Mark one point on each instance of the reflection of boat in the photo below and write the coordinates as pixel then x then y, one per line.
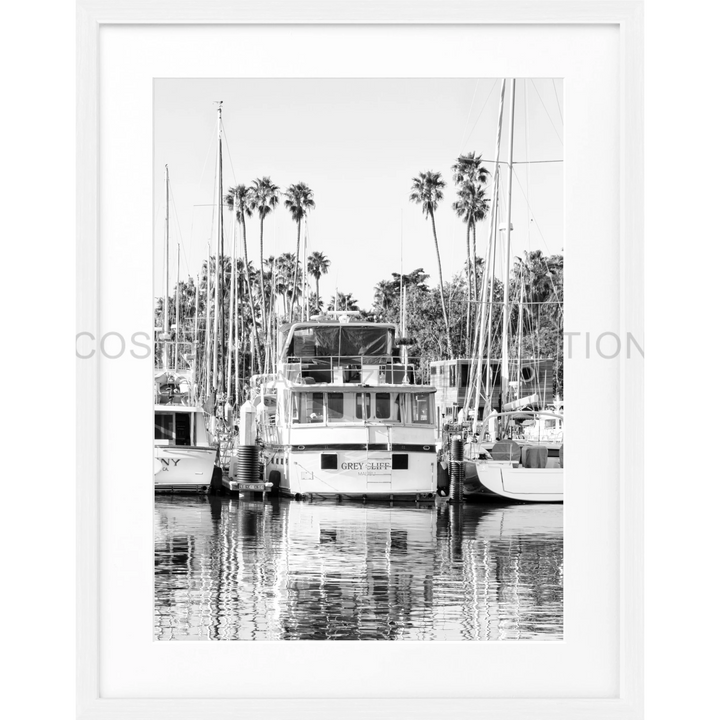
pixel 341 416
pixel 523 521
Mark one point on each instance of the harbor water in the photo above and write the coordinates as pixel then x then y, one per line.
pixel 242 569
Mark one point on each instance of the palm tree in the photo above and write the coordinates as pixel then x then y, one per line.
pixel 471 206
pixel 344 301
pixel 238 199
pixel 264 199
pixel 284 270
pixel 385 293
pixel 468 170
pixel 317 265
pixel 427 191
pixel 299 201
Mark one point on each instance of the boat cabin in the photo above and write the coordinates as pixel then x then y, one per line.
pixel 335 406
pixel 178 425
pixel 535 387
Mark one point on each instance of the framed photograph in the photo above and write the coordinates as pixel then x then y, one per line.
pixel 372 261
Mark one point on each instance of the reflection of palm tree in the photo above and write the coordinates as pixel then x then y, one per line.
pixel 264 199
pixel 299 201
pixel 318 265
pixel 427 191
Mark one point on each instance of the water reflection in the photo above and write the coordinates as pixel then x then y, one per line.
pixel 229 569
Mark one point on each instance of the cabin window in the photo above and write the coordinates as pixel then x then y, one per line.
pixel 382 406
pixel 335 407
pixel 341 407
pixel 164 426
pixel 182 429
pixel 451 371
pixel 362 400
pixel 527 373
pixel 308 408
pixel 420 413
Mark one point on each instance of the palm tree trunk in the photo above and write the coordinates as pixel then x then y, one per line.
pixel 262 280
pixel 474 260
pixel 251 302
pixel 470 273
pixel 295 275
pixel 442 289
pixel 317 292
pixel 262 276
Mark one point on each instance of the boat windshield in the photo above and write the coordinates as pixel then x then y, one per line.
pixel 345 341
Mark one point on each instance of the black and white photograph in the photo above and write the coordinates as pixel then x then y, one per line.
pixel 331 241
pixel 358 387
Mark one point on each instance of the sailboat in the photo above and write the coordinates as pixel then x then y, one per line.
pixel 184 457
pixel 507 453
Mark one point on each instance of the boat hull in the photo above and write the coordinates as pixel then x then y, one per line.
pixel 505 480
pixel 181 468
pixel 352 473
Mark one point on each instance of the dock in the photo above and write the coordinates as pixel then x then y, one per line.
pixel 235 486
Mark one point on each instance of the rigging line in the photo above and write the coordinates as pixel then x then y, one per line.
pixel 472 104
pixel 547 247
pixel 557 99
pixel 479 116
pixel 207 154
pixel 548 114
pixel 229 154
pixel 527 155
pixel 547 267
pixel 177 223
pixel 522 162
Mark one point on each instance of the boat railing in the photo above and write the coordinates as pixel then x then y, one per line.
pixel 269 434
pixel 349 369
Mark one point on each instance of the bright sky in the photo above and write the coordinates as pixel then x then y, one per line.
pixel 357 144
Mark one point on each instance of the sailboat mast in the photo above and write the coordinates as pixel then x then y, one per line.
pixel 520 324
pixel 233 309
pixel 505 373
pixel 196 344
pixel 485 325
pixel 208 358
pixel 177 313
pixel 217 365
pixel 166 282
pixel 237 333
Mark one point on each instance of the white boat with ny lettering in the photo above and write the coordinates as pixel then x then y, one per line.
pixel 184 456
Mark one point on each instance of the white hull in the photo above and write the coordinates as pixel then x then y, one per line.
pixel 359 473
pixel 182 467
pixel 502 479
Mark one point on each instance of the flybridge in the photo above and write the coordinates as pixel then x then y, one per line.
pixel 337 339
pixel 331 351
